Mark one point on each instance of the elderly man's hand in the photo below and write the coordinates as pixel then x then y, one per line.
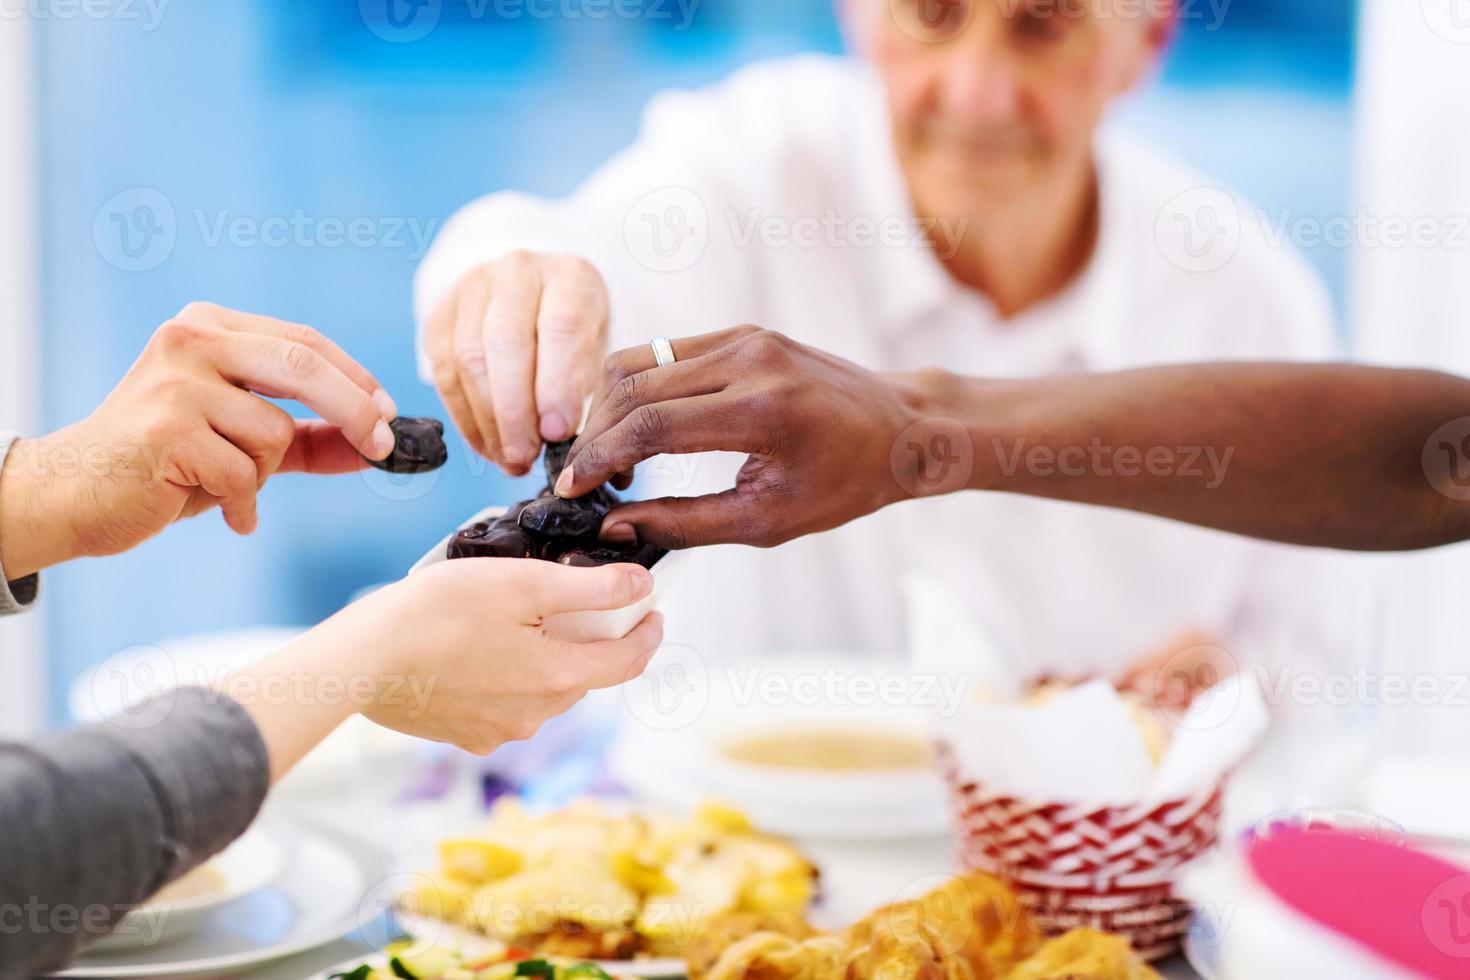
pixel 820 432
pixel 187 430
pixel 515 350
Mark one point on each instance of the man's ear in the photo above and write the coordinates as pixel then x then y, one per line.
pixel 1163 24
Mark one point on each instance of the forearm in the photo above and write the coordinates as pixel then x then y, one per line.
pixel 1329 455
pixel 35 532
pixel 298 695
pixel 97 819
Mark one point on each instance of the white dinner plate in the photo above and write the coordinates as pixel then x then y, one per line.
pixel 251 863
pixel 431 931
pixel 332 885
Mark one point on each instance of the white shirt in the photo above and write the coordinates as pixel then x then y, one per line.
pixel 802 147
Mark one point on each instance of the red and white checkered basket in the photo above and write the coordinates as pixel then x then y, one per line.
pixel 1109 868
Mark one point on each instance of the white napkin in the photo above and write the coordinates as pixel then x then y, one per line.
pixel 1081 746
pixel 945 638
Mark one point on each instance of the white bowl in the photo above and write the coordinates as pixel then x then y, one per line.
pixel 678 767
pixel 252 862
pixel 591 625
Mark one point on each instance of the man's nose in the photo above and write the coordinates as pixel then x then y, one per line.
pixel 980 83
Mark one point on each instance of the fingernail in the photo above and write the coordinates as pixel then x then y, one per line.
pixel 620 533
pixel 382 440
pixel 564 483
pixel 642 581
pixel 385 404
pixel 513 458
pixel 554 427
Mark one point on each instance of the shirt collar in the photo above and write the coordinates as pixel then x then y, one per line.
pixel 911 285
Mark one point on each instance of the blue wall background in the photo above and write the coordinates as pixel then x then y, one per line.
pixel 261 109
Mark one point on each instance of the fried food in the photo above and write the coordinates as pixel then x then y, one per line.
pixel 1084 954
pixel 588 883
pixel 970 928
pixel 973 916
pixel 575 941
pixel 712 938
pixel 902 942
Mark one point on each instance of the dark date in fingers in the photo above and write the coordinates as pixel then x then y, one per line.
pixel 418 447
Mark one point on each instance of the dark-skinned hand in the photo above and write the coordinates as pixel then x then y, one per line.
pixel 819 432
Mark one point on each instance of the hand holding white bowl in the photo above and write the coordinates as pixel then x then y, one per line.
pixel 458 653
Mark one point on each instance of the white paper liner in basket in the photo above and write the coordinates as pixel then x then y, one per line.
pixel 1063 800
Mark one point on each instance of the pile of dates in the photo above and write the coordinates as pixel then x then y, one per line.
pixel 551 528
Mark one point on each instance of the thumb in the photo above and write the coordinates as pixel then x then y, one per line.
pixel 320 447
pixel 548 588
pixel 675 523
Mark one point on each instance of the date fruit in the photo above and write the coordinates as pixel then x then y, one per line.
pixel 557 518
pixel 418 447
pixel 552 529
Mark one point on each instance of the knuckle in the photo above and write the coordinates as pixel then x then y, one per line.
pixel 505 338
pixel 200 310
pixel 471 360
pixel 676 536
pixel 298 360
pixel 279 430
pixel 178 335
pixel 615 367
pixel 615 587
pixel 563 325
pixel 300 333
pixel 648 426
pixel 591 458
pixel 240 477
pixel 767 346
pixel 518 260
pixel 581 268
pixel 626 395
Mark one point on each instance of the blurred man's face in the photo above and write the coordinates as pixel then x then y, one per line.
pixel 994 96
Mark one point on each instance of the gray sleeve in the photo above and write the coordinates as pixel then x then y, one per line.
pixel 94 820
pixel 14 596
